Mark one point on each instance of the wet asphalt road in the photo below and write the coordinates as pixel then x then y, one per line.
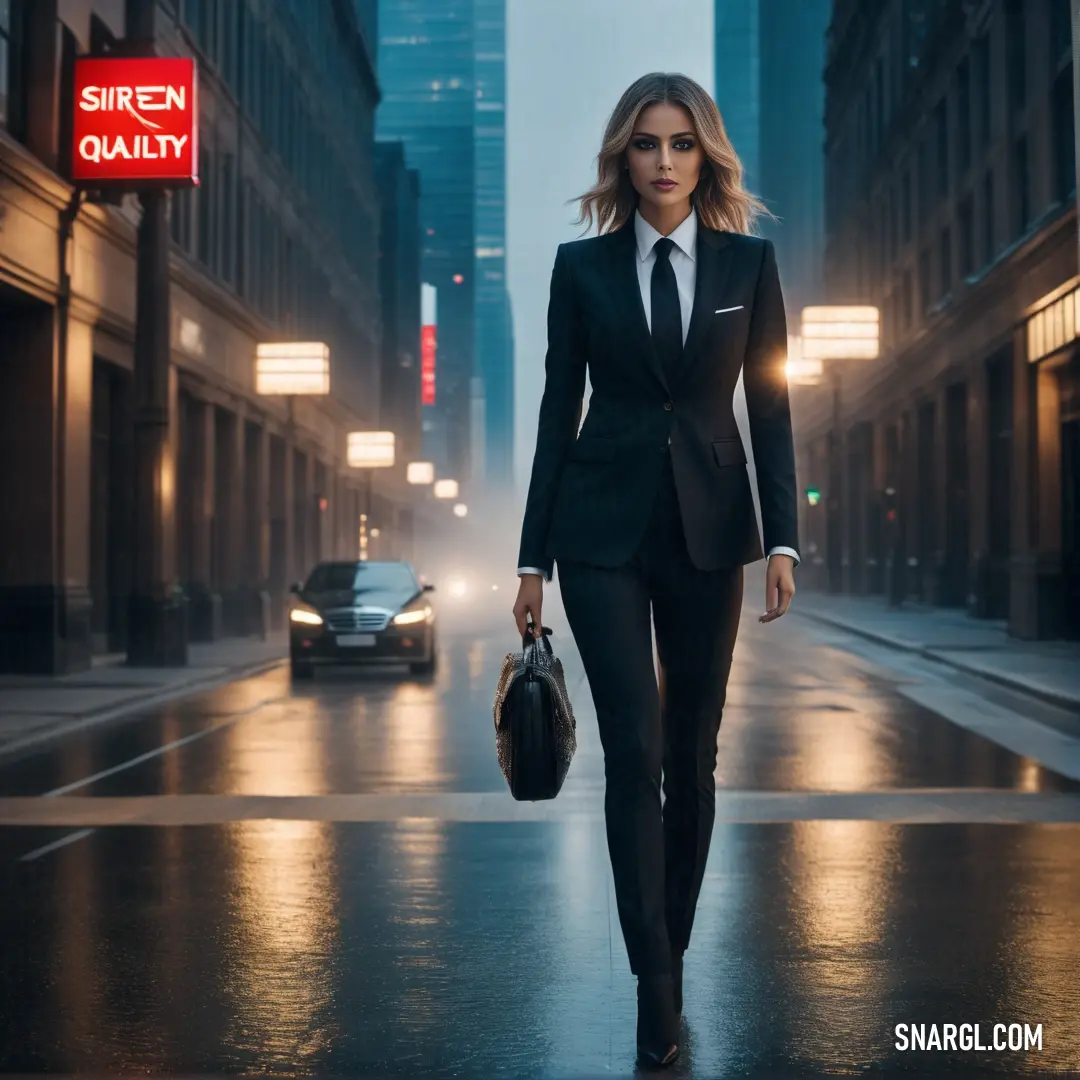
pixel 332 880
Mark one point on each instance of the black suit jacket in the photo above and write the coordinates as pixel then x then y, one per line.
pixel 590 497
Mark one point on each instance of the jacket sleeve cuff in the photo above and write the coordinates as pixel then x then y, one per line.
pixel 785 551
pixel 532 570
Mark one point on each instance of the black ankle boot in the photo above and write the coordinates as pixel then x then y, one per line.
pixel 676 982
pixel 657 1022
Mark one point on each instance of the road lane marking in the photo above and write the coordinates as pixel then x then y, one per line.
pixel 132 708
pixel 231 718
pixel 58 793
pixel 904 806
pixel 56 845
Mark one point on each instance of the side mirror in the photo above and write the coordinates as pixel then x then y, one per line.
pixel 295 589
pixel 429 588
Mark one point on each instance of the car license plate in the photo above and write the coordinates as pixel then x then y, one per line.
pixel 354 641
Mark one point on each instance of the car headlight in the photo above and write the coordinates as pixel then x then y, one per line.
pixel 306 616
pixel 408 618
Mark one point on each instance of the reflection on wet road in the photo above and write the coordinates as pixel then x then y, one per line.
pixel 333 880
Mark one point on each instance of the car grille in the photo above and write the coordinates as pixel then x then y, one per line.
pixel 351 621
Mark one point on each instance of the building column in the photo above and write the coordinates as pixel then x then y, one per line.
pixel 45 436
pixel 907 502
pixel 321 519
pixel 979 480
pixel 305 554
pixel 119 554
pixel 1035 593
pixel 835 495
pixel 256 565
pixel 205 613
pixel 875 508
pixel 937 569
pixel 282 570
pixel 229 518
pixel 337 512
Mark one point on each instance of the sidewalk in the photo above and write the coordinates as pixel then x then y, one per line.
pixel 34 708
pixel 1049 670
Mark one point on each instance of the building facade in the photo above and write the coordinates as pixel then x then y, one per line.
pixel 949 467
pixel 279 242
pixel 442 70
pixel 769 85
pixel 493 460
pixel 399 284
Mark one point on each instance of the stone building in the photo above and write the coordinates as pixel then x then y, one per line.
pixel 950 467
pixel 279 242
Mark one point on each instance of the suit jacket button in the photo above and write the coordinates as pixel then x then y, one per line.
pixel 668 406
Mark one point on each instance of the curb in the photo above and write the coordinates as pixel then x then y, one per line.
pixel 137 704
pixel 1010 682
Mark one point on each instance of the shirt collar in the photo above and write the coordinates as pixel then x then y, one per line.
pixel 684 237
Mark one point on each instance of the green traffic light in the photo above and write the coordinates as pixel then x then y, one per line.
pixel 813 496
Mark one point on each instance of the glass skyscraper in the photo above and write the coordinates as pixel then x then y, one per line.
pixel 442 73
pixel 494 339
pixel 770 64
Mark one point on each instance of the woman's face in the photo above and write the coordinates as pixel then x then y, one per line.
pixel 664 156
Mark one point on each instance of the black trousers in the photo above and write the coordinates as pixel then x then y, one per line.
pixel 651 731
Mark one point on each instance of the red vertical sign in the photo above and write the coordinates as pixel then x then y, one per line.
pixel 427 365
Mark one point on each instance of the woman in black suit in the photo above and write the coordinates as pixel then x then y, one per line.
pixel 648 511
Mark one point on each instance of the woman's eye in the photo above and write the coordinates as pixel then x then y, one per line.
pixel 684 144
pixel 644 144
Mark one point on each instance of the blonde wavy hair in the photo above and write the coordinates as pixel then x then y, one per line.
pixel 719 198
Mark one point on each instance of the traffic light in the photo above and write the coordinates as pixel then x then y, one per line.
pixel 813 496
pixel 890 504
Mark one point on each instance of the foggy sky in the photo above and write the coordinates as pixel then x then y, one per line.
pixel 567 63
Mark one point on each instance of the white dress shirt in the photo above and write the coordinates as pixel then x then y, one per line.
pixel 683 262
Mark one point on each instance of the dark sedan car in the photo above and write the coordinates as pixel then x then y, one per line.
pixel 361 612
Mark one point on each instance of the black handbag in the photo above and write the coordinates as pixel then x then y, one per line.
pixel 535 730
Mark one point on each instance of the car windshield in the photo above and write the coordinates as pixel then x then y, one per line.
pixel 360 577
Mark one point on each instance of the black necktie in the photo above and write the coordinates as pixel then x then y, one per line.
pixel 666 314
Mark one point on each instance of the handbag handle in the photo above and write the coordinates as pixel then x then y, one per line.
pixel 530 642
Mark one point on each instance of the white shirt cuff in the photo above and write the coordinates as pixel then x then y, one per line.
pixel 532 570
pixel 785 551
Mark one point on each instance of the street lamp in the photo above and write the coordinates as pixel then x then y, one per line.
pixel 460 510
pixel 292 368
pixel 446 489
pixel 289 369
pixel 836 333
pixel 369 450
pixel 845 332
pixel 420 472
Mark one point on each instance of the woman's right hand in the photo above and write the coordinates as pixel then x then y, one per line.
pixel 530 599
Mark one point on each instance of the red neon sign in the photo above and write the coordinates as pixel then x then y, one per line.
pixel 427 365
pixel 136 121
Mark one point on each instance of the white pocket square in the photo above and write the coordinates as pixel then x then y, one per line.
pixel 723 310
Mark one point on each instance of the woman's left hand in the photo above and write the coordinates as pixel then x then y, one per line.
pixel 779 587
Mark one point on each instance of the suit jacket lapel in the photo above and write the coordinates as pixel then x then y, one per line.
pixel 714 253
pixel 627 295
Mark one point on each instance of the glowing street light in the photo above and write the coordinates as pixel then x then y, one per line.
pixel 292 368
pixel 420 472
pixel 446 489
pixel 460 510
pixel 844 332
pixel 369 450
